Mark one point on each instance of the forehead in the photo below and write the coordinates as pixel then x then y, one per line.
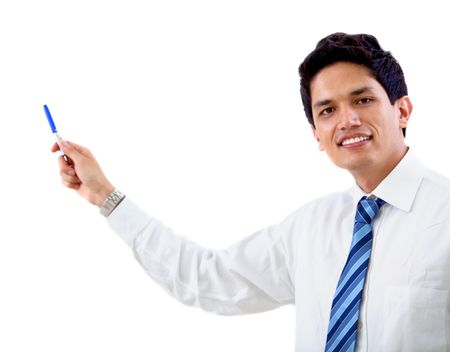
pixel 340 79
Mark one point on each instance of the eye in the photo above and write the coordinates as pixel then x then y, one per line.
pixel 326 111
pixel 365 100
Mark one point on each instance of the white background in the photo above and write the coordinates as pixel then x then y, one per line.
pixel 192 108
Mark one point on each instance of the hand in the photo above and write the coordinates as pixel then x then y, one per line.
pixel 82 173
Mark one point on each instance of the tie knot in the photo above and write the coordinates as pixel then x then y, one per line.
pixel 368 209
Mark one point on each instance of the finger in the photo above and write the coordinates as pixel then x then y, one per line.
pixel 75 150
pixel 71 152
pixel 67 160
pixel 74 186
pixel 55 147
pixel 69 178
pixel 80 149
pixel 66 167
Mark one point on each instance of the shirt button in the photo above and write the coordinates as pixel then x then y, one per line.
pixel 360 325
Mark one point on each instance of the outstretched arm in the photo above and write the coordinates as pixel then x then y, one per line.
pixel 252 276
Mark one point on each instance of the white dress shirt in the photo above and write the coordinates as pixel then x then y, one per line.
pixel 405 305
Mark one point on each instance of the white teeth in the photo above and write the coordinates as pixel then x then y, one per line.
pixel 354 140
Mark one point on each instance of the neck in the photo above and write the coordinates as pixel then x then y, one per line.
pixel 369 178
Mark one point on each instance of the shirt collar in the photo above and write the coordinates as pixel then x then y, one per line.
pixel 400 187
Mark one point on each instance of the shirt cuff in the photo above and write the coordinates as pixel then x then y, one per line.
pixel 128 221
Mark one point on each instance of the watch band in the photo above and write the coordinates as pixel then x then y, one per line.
pixel 111 202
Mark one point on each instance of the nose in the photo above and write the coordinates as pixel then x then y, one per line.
pixel 348 118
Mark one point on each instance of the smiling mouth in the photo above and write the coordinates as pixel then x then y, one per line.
pixel 354 141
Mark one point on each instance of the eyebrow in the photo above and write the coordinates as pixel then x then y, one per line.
pixel 322 103
pixel 353 93
pixel 360 91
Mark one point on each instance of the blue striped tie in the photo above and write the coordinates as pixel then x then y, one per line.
pixel 343 325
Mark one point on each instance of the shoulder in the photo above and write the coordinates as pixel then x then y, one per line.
pixel 322 208
pixel 431 180
pixel 434 194
pixel 436 186
pixel 438 181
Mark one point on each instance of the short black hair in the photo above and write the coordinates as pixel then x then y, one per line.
pixel 362 49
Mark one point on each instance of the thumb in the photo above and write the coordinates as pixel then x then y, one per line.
pixel 72 151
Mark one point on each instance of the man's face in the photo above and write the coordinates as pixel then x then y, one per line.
pixel 355 122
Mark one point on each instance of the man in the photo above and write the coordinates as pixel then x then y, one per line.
pixel 366 268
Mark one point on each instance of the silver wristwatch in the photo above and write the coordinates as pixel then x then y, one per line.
pixel 111 202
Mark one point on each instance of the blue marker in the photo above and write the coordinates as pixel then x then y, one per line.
pixel 54 131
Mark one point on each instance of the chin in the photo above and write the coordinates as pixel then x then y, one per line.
pixel 354 164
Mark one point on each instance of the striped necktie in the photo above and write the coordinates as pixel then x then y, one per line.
pixel 343 325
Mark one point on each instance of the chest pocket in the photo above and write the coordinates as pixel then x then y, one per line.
pixel 415 319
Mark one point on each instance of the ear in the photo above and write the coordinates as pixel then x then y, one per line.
pixel 316 136
pixel 405 108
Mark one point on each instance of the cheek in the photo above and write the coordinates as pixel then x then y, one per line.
pixel 324 141
pixel 324 134
pixel 321 147
pixel 391 126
